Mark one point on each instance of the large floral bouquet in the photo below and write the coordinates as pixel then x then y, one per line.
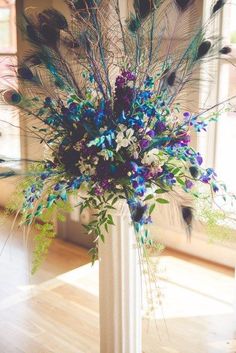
pixel 121 133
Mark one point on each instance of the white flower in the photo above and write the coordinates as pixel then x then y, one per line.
pixel 102 129
pixel 124 138
pixel 122 127
pixel 151 157
pixel 134 150
pixel 86 168
pixel 78 146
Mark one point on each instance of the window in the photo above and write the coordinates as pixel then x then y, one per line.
pixel 219 145
pixel 225 163
pixel 9 120
pixel 7 26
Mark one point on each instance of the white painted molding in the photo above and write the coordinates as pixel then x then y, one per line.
pixel 120 287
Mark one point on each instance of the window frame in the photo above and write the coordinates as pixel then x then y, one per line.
pixel 208 144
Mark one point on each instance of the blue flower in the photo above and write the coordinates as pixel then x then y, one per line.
pixel 149 82
pixel 89 113
pixel 169 178
pixel 73 108
pixel 45 175
pixel 144 95
pixel 47 102
pixel 215 187
pixel 208 175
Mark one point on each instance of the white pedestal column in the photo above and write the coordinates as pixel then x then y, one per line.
pixel 120 288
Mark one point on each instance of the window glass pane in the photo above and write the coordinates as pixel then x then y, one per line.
pixel 7 26
pixel 225 164
pixel 4 28
pixel 233 22
pixel 9 119
pixel 226 132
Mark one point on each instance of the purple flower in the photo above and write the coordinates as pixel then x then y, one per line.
pixel 120 82
pixel 130 76
pixel 185 140
pixel 160 127
pixel 98 190
pixel 188 184
pixel 199 158
pixel 65 111
pixel 208 175
pixel 151 133
pixel 105 184
pixel 187 115
pixel 144 143
pixel 205 178
pixel 169 178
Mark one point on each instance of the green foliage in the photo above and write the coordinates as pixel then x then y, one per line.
pixel 218 224
pixel 43 240
pixel 102 205
pixel 46 232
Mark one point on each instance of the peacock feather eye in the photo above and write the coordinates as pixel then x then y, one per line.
pixel 32 34
pixel 12 97
pixel 25 73
pixel 171 78
pixel 133 24
pixel 49 33
pixel 56 18
pixel 183 5
pixel 225 50
pixel 203 49
pixel 218 5
pixel 143 7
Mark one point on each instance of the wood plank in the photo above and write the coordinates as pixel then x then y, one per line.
pixel 57 310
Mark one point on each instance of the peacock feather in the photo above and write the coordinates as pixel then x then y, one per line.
pixel 105 94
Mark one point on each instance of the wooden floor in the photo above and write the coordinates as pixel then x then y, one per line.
pixel 57 310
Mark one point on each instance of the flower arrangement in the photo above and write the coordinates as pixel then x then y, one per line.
pixel 116 128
